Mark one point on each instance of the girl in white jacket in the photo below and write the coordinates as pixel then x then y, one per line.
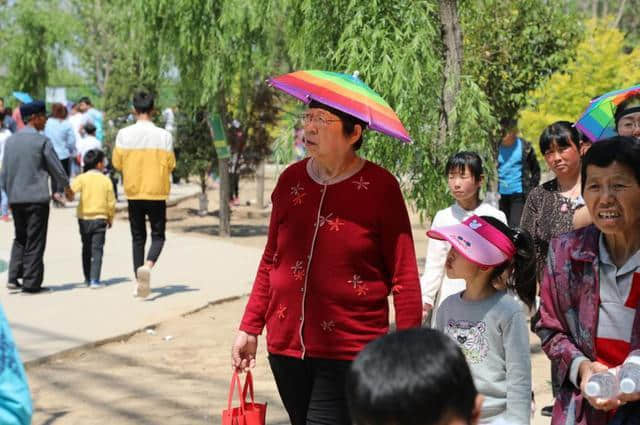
pixel 465 177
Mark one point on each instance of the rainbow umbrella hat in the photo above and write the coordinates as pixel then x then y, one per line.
pixel 346 93
pixel 598 121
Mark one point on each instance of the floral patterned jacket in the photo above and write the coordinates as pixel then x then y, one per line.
pixel 569 319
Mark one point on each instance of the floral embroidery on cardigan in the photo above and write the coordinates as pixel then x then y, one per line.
pixel 328 325
pixel 334 225
pixel 362 290
pixel 355 281
pixel 282 312
pixel 361 184
pixel 298 194
pixel 298 270
pixel 324 219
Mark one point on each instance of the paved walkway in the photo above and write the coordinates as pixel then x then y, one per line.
pixel 192 271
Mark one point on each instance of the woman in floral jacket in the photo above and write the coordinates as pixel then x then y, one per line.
pixel 590 314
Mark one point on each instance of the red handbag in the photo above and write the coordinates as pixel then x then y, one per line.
pixel 247 413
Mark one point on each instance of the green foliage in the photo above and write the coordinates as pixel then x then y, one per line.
pixel 599 65
pixel 34 34
pixel 398 52
pixel 511 46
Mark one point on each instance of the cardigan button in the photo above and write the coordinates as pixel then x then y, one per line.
pixel 301 318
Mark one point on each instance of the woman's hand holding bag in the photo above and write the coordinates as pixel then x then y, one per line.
pixel 247 413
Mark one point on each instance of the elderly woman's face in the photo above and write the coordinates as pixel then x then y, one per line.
pixel 323 134
pixel 612 196
pixel 629 125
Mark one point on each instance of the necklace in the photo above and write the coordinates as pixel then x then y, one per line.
pixel 570 200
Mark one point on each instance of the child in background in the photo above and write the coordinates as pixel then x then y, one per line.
pixel 96 210
pixel 465 176
pixel 487 323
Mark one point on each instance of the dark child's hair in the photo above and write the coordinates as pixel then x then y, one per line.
pixel 349 122
pixel 632 101
pixel 143 102
pixel 562 133
pixel 58 111
pixel 89 128
pixel 461 160
pixel 85 99
pixel 621 149
pixel 521 269
pixel 92 158
pixel 402 375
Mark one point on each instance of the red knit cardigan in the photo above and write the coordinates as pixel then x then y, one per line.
pixel 334 253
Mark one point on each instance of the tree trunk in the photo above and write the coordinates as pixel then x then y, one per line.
pixel 225 211
pixel 260 184
pixel 452 38
pixel 616 23
pixel 594 9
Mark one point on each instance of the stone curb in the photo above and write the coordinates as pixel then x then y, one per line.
pixel 121 338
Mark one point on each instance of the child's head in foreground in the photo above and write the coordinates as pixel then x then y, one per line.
pixel 412 377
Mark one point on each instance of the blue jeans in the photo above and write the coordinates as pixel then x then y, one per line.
pixel 4 203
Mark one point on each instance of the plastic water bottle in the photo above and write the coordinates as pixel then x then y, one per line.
pixel 629 374
pixel 602 385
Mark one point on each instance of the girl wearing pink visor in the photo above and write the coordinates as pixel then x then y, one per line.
pixel 488 323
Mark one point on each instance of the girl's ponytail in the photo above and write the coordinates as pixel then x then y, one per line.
pixel 521 269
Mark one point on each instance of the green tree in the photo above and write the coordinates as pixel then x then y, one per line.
pixel 512 46
pixel 600 64
pixel 34 35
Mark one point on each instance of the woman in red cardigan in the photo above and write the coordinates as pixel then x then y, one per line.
pixel 339 243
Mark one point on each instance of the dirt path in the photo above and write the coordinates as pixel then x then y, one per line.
pixel 178 373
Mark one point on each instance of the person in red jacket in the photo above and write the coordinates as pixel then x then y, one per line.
pixel 339 244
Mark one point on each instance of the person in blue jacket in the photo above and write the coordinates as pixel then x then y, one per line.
pixel 15 399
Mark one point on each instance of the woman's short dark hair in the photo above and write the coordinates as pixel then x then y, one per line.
pixel 402 375
pixel 58 111
pixel 92 158
pixel 461 160
pixel 143 102
pixel 562 133
pixel 621 149
pixel 349 122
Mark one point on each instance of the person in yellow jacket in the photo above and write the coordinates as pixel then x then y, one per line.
pixel 95 212
pixel 144 155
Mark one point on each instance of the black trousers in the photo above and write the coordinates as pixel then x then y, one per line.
pixel 30 222
pixel 512 206
pixel 312 390
pixel 156 211
pixel 92 233
pixel 66 164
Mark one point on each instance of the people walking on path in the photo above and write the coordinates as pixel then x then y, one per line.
pixel 518 172
pixel 29 160
pixel 8 122
pixel 93 115
pixel 5 133
pixel 339 244
pixel 465 176
pixel 144 155
pixel 489 324
pixel 96 210
pixel 59 131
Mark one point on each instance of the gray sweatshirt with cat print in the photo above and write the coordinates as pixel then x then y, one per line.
pixel 495 340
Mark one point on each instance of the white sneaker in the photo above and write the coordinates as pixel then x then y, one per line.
pixel 143 278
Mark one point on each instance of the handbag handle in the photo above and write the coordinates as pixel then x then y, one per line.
pixel 248 384
pixel 235 380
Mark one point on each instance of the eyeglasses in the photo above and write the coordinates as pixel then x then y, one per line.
pixel 630 125
pixel 318 120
